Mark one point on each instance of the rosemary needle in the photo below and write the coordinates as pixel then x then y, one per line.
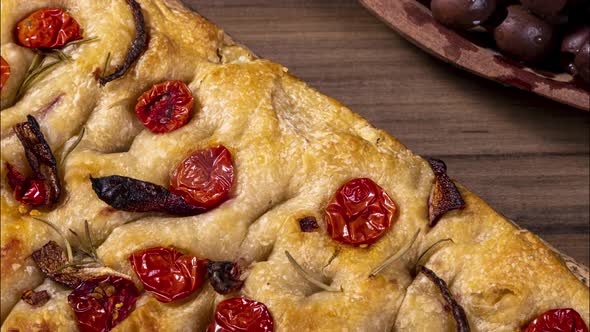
pixel 37 69
pixel 71 147
pixel 308 276
pixel 63 236
pixel 427 250
pixel 395 256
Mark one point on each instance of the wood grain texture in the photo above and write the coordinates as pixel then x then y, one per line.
pixel 524 155
pixel 415 22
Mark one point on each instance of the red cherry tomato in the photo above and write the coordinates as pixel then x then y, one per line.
pixel 558 320
pixel 47 28
pixel 241 314
pixel 4 72
pixel 103 302
pixel 205 178
pixel 359 213
pixel 26 190
pixel 165 107
pixel 167 273
pixel 33 193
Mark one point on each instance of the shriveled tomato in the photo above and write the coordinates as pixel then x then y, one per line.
pixel 359 213
pixel 241 314
pixel 558 320
pixel 4 72
pixel 103 302
pixel 165 107
pixel 47 28
pixel 26 190
pixel 167 273
pixel 205 178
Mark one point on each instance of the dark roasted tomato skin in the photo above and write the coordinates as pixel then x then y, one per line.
pixel 47 28
pixel 167 273
pixel 205 178
pixel 43 187
pixel 4 72
pixel 224 276
pixel 558 320
pixel 103 302
pixel 165 107
pixel 359 213
pixel 241 315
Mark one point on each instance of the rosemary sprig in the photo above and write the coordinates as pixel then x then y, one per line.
pixel 62 235
pixel 106 64
pixel 37 68
pixel 36 71
pixel 419 260
pixel 71 147
pixel 79 263
pixel 86 245
pixel 308 276
pixel 395 256
pixel 82 41
pixel 37 60
pixel 57 54
pixel 90 242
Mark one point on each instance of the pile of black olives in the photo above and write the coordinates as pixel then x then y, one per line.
pixel 532 31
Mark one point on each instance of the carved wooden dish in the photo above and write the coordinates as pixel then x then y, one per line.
pixel 414 22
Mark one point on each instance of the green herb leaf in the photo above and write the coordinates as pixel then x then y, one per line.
pixel 76 264
pixel 86 244
pixel 308 276
pixel 82 41
pixel 62 235
pixel 106 64
pixel 37 69
pixel 431 247
pixel 71 147
pixel 91 246
pixel 400 253
pixel 35 72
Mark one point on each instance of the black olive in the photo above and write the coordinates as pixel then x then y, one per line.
pixel 524 36
pixel 571 44
pixel 462 14
pixel 546 8
pixel 578 11
pixel 582 62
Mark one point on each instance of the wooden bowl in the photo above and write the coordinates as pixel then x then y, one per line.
pixel 414 22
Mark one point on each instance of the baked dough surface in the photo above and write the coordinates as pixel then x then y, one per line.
pixel 292 149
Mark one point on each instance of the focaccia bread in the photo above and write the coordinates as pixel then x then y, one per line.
pixel 288 165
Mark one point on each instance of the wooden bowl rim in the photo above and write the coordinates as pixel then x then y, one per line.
pixel 415 23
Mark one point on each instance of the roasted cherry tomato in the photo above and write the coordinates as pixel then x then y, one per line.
pixel 205 178
pixel 103 302
pixel 359 213
pixel 241 314
pixel 558 320
pixel 4 72
pixel 167 273
pixel 27 191
pixel 47 28
pixel 165 107
pixel 224 276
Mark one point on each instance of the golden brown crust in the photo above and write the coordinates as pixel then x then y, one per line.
pixel 292 148
pixel 503 276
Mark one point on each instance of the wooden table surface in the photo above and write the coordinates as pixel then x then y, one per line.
pixel 526 156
